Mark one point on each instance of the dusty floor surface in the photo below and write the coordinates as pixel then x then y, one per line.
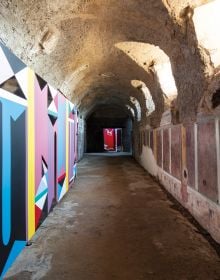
pixel 116 223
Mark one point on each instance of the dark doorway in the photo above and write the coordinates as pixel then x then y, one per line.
pixel 108 117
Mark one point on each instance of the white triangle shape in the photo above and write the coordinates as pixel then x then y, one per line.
pixel 63 190
pixel 45 168
pixel 40 203
pixel 53 91
pixel 43 186
pixel 8 72
pixel 71 105
pixel 44 179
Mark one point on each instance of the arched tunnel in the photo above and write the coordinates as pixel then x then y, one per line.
pixel 109 139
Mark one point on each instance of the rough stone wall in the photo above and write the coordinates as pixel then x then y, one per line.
pixel 81 138
pixel 79 39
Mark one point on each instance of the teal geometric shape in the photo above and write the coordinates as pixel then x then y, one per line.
pixel 41 195
pixel 54 114
pixel 59 190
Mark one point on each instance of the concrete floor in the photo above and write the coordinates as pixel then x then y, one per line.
pixel 116 223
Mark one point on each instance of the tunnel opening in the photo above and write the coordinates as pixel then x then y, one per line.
pixel 216 99
pixel 109 129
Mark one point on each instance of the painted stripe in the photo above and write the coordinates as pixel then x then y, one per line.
pixel 6 178
pixel 41 195
pixel 67 145
pixel 162 146
pixel 170 138
pixel 196 155
pixel 70 149
pixel 183 148
pixel 12 97
pixel 218 155
pixel 72 178
pixel 31 156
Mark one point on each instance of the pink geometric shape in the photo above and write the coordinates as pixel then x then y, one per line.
pixel 56 101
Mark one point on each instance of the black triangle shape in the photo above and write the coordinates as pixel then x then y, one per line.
pixel 13 86
pixel 73 111
pixel 45 209
pixel 52 119
pixel 62 181
pixel 42 168
pixel 44 212
pixel 41 82
pixel 49 98
pixel 44 161
pixel 15 63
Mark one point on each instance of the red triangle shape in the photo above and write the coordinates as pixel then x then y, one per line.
pixel 38 213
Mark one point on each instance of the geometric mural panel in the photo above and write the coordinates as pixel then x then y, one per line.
pixel 176 151
pixel 207 160
pixel 42 192
pixel 33 126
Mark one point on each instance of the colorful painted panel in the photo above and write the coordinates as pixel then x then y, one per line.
pixel 61 148
pixel 166 150
pixel 207 160
pixel 190 154
pixel 159 147
pixel 176 155
pixel 152 140
pixel 37 136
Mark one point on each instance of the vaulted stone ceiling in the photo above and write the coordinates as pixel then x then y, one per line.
pixel 92 49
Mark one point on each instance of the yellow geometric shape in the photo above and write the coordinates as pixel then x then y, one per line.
pixel 31 156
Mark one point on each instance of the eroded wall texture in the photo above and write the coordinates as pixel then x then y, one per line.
pixel 186 160
pixel 38 128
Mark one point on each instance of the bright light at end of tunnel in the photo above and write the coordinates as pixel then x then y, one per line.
pixel 166 79
pixel 149 100
pixel 137 106
pixel 131 110
pixel 150 106
pixel 206 19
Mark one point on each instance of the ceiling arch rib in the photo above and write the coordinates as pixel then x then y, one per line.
pixel 155 62
pixel 150 105
pixel 90 102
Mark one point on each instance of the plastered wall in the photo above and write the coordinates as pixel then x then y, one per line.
pixel 186 160
pixel 38 127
